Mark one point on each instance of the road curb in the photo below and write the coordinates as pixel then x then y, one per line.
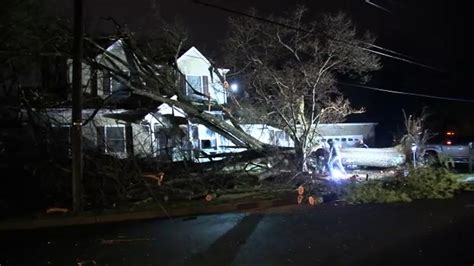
pixel 141 215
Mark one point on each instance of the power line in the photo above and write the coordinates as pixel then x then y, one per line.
pixel 377 6
pixel 407 93
pixel 391 51
pixel 406 60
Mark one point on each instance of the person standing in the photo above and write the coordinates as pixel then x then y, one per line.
pixel 334 160
pixel 361 144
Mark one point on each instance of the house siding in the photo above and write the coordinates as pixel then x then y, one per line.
pixel 193 63
pixel 137 140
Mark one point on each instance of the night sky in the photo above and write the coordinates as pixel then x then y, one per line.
pixel 434 32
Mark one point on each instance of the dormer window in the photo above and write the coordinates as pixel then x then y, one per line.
pixel 198 83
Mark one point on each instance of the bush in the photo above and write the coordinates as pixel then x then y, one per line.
pixel 373 191
pixel 431 183
pixel 421 183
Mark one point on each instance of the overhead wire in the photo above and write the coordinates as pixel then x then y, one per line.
pixel 395 56
pixel 377 6
pixel 407 59
pixel 406 93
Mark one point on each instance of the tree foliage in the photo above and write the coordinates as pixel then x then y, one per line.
pixel 420 183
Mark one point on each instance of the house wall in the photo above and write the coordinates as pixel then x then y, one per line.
pixel 169 136
pixel 207 139
pixel 86 74
pixel 268 134
pixel 137 137
pixel 116 50
pixel 347 134
pixel 193 63
pixel 366 130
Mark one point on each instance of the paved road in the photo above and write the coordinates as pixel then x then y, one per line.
pixel 435 232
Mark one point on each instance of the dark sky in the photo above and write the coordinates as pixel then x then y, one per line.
pixel 433 31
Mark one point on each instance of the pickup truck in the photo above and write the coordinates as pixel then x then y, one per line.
pixel 450 147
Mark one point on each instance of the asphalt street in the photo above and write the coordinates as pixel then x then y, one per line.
pixel 428 232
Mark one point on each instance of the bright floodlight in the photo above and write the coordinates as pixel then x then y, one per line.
pixel 234 87
pixel 337 174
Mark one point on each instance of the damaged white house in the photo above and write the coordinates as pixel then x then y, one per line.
pixel 167 133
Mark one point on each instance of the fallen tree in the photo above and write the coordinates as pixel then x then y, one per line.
pixel 317 102
pixel 309 99
pixel 164 90
pixel 374 157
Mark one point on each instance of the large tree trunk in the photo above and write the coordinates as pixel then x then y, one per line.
pixel 373 157
pixel 238 137
pixel 300 157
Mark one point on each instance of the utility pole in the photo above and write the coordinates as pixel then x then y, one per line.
pixel 76 127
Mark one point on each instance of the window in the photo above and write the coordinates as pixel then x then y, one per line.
pixel 344 139
pixel 115 139
pixel 351 139
pixel 199 83
pixel 206 144
pixel 194 132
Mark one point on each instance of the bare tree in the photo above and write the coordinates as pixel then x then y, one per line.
pixel 291 69
pixel 416 135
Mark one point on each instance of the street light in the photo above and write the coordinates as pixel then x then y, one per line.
pixel 413 151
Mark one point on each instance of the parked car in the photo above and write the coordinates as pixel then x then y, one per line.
pixel 449 147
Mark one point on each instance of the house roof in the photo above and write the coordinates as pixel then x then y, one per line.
pixel 193 52
pixel 166 109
